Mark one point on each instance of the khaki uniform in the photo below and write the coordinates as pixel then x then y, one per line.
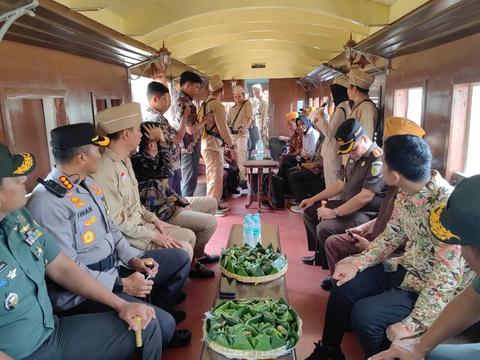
pixel 240 140
pixel 332 161
pixel 261 120
pixel 366 114
pixel 120 187
pixel 212 147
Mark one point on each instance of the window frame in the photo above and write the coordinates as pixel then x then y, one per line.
pixel 412 85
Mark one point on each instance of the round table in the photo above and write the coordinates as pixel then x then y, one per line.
pixel 260 165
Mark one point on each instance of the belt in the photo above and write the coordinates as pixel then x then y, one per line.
pixel 105 264
pixel 235 132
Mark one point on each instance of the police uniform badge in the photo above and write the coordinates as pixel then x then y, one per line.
pixel 12 274
pixel 376 169
pixel 377 152
pixel 11 301
pixel 21 218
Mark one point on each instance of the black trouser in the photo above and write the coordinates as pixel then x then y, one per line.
pixel 254 138
pixel 289 162
pixel 319 231
pixel 173 271
pixel 304 181
pixel 97 337
pixel 368 304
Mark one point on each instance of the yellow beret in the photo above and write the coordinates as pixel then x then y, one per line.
pixel 402 126
pixel 119 118
pixel 291 116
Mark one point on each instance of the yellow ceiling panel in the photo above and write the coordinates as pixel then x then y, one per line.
pixel 258 60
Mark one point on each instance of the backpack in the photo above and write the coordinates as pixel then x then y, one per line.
pixel 378 136
pixel 278 197
pixel 202 112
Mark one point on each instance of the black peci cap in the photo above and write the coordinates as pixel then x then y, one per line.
pixel 75 135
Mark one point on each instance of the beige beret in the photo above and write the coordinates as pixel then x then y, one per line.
pixel 291 116
pixel 257 86
pixel 360 79
pixel 238 90
pixel 119 118
pixel 341 80
pixel 215 83
pixel 402 126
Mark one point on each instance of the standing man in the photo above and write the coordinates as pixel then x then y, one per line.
pixel 78 222
pixel 239 120
pixel 27 324
pixel 158 103
pixel 363 189
pixel 364 110
pixel 189 83
pixel 458 223
pixel 215 135
pixel 261 114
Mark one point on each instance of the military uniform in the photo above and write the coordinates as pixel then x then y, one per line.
pixel 238 117
pixel 365 173
pixel 27 324
pixel 80 225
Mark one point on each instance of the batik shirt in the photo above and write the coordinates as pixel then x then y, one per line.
pixel 296 142
pixel 435 271
pixel 169 134
pixel 184 103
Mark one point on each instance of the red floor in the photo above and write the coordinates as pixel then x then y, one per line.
pixel 304 293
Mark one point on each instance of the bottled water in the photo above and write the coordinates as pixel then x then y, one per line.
pixel 257 230
pixel 247 231
pixel 259 146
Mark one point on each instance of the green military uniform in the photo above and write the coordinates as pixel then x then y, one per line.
pixel 27 324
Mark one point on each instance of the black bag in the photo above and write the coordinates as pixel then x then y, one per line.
pixel 278 197
pixel 276 147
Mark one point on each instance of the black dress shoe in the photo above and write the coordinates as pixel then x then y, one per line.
pixel 308 260
pixel 233 191
pixel 327 284
pixel 180 298
pixel 180 339
pixel 209 259
pixel 201 272
pixel 243 184
pixel 324 353
pixel 178 314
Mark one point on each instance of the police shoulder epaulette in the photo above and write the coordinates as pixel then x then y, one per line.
pixel 377 152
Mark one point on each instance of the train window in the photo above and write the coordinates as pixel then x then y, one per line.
pixel 472 165
pixel 299 104
pixel 409 103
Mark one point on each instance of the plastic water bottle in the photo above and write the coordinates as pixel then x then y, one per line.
pixel 247 231
pixel 259 147
pixel 257 230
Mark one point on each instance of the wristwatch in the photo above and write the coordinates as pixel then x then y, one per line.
pixel 118 287
pixel 335 212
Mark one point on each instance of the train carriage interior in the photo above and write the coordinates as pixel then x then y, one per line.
pixel 64 62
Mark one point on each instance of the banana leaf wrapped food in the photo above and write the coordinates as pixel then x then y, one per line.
pixel 253 264
pixel 252 328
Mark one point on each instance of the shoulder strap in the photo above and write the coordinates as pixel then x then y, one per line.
pixel 238 113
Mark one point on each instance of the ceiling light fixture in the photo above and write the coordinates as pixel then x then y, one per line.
pixel 233 82
pixel 163 57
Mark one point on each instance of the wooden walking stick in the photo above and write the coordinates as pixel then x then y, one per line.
pixel 138 338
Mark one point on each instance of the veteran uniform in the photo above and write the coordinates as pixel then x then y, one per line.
pixel 27 324
pixel 365 173
pixel 261 116
pixel 364 110
pixel 238 117
pixel 215 135
pixel 81 226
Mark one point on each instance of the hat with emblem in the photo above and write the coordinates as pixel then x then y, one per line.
pixel 15 165
pixel 291 116
pixel 237 90
pixel 306 108
pixel 458 220
pixel 349 131
pixel 120 118
pixel 360 79
pixel 75 135
pixel 395 125
pixel 341 80
pixel 215 83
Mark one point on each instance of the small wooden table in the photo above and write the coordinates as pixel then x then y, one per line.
pixel 275 289
pixel 260 165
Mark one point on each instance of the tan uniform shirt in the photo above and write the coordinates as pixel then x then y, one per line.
pixel 245 114
pixel 120 190
pixel 366 114
pixel 261 114
pixel 218 119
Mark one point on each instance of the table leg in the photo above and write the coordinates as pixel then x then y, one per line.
pixel 270 188
pixel 250 180
pixel 260 189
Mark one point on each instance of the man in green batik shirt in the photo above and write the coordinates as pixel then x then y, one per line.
pixel 27 326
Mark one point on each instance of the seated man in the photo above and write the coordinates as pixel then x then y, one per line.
pixel 152 166
pixel 456 223
pixel 400 297
pixel 230 174
pixel 71 209
pixel 338 247
pixel 363 190
pixel 28 327
pixel 141 228
pixel 296 137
